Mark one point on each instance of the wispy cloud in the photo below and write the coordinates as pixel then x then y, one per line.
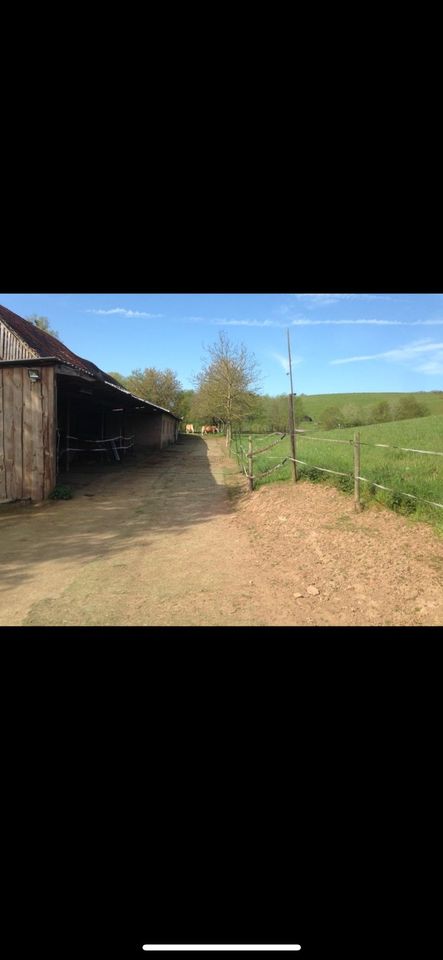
pixel 326 299
pixel 432 367
pixel 127 313
pixel 409 354
pixel 300 321
pixel 308 322
pixel 363 321
pixel 284 362
pixel 249 323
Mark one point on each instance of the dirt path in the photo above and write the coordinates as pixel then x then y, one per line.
pixel 172 539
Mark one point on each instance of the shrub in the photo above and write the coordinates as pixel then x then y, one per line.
pixel 401 504
pixel 345 483
pixel 382 412
pixel 331 418
pixel 408 408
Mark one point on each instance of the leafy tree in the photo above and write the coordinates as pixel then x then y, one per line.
pixel 158 386
pixel 382 412
pixel 331 418
pixel 408 408
pixel 119 377
pixel 352 415
pixel 225 383
pixel 184 405
pixel 43 324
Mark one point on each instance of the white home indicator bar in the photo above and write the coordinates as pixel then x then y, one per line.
pixel 222 946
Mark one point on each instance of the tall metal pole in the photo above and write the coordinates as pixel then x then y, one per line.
pixel 291 415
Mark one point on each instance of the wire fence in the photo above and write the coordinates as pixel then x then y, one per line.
pixel 111 446
pixel 246 458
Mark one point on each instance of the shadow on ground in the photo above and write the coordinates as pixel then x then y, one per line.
pixel 114 506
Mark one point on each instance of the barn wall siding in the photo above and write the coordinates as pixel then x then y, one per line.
pixel 11 347
pixel 151 430
pixel 168 433
pixel 27 434
pixel 145 428
pixel 2 444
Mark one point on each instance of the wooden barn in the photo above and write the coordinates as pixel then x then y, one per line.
pixel 57 409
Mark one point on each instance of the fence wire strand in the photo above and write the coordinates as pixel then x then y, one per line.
pixel 400 493
pixel 338 473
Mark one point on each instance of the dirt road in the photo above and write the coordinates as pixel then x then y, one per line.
pixel 172 539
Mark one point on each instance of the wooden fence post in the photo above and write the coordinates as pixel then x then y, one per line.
pixel 292 430
pixel 357 504
pixel 250 465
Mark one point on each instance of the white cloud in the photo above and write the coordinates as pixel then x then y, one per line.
pixel 300 321
pixel 249 323
pixel 307 322
pixel 325 299
pixel 408 354
pixel 126 313
pixel 433 366
pixel 364 321
pixel 284 362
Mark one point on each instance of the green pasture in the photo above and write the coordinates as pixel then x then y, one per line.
pixel 314 405
pixel 406 473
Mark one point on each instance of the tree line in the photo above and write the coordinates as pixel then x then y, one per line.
pixel 226 394
pixel 350 415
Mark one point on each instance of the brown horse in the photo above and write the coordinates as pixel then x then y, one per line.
pixel 209 429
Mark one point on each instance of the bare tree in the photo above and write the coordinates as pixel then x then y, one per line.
pixel 226 382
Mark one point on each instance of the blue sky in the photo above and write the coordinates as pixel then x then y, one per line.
pixel 345 342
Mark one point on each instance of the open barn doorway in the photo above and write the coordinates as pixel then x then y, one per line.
pixel 91 426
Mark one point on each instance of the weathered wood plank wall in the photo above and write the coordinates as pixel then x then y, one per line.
pixel 2 445
pixel 27 434
pixel 11 347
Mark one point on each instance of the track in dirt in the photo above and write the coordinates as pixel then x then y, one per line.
pixel 174 539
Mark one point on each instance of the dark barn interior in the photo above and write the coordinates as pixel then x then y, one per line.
pixel 99 423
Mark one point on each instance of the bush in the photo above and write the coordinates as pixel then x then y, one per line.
pixel 345 483
pixel 61 492
pixel 331 418
pixel 408 408
pixel 401 504
pixel 382 412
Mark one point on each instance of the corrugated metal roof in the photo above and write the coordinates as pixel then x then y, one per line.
pixel 45 346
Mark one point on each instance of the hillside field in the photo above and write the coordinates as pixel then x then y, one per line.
pixel 315 404
pixel 406 473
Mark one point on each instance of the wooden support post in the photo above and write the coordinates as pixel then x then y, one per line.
pixel 68 430
pixel 291 417
pixel 357 504
pixel 250 465
pixel 293 446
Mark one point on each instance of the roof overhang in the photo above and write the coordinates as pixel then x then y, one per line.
pixel 31 362
pixel 103 389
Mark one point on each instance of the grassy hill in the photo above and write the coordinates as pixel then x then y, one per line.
pixel 404 473
pixel 315 404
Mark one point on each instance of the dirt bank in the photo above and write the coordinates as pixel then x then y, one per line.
pixel 172 539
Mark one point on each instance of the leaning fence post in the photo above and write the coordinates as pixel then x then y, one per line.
pixel 250 464
pixel 357 504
